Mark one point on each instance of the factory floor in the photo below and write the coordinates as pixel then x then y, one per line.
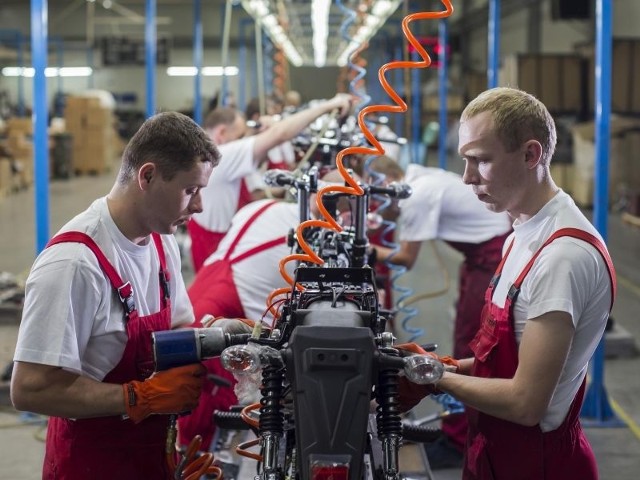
pixel 615 437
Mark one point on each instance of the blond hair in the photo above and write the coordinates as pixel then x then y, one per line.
pixel 517 117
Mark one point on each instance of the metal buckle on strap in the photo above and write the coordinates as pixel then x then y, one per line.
pixel 513 292
pixel 164 283
pixel 125 292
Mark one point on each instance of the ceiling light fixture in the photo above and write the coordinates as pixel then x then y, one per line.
pixel 259 10
pixel 212 71
pixel 320 25
pixel 48 72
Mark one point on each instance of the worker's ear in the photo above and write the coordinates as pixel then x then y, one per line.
pixel 533 153
pixel 146 175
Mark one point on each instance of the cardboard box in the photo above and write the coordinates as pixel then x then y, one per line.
pixel 625 70
pixel 23 125
pixel 623 169
pixel 555 79
pixel 6 174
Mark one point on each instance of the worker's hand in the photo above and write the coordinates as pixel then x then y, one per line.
pixel 171 391
pixel 344 103
pixel 410 394
pixel 450 363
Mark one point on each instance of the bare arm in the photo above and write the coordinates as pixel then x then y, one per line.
pixel 55 392
pixel 406 255
pixel 523 399
pixel 289 127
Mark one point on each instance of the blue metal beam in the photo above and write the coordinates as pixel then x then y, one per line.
pixel 443 37
pixel 596 410
pixel 493 59
pixel 150 40
pixel 197 61
pixel 39 25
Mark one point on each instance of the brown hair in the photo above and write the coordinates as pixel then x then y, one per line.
pixel 517 117
pixel 171 140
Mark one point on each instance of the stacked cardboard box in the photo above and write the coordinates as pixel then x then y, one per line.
pixel 92 127
pixel 20 146
pixel 625 70
pixel 556 79
pixel 624 169
pixel 6 177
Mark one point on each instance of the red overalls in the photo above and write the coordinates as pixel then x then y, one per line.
pixel 502 450
pixel 112 447
pixel 479 264
pixel 204 242
pixel 214 292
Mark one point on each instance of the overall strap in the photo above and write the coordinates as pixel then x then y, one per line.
pixel 496 276
pixel 125 290
pixel 163 273
pixel 260 248
pixel 246 226
pixel 575 233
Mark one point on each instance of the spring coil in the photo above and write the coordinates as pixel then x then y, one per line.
pixel 271 416
pixel 388 420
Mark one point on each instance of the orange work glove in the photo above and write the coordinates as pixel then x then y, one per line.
pixel 415 349
pixel 410 394
pixel 171 391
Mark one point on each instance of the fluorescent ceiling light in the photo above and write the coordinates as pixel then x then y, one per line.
pixel 48 72
pixel 259 10
pixel 320 25
pixel 213 71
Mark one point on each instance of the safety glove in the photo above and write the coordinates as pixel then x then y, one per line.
pixel 410 394
pixel 171 391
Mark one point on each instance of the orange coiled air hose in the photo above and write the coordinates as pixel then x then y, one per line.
pixel 353 188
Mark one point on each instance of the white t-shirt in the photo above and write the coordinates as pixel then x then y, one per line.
pixel 72 317
pixel 568 276
pixel 443 207
pixel 220 197
pixel 282 153
pixel 257 276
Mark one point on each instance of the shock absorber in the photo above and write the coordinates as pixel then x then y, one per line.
pixel 388 419
pixel 271 423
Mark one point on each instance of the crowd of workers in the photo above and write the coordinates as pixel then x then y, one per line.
pixel 536 287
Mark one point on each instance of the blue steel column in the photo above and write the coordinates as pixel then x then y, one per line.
pixel 226 33
pixel 150 39
pixel 596 405
pixel 20 59
pixel 197 62
pixel 398 86
pixel 443 34
pixel 242 63
pixel 39 25
pixel 416 111
pixel 494 43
